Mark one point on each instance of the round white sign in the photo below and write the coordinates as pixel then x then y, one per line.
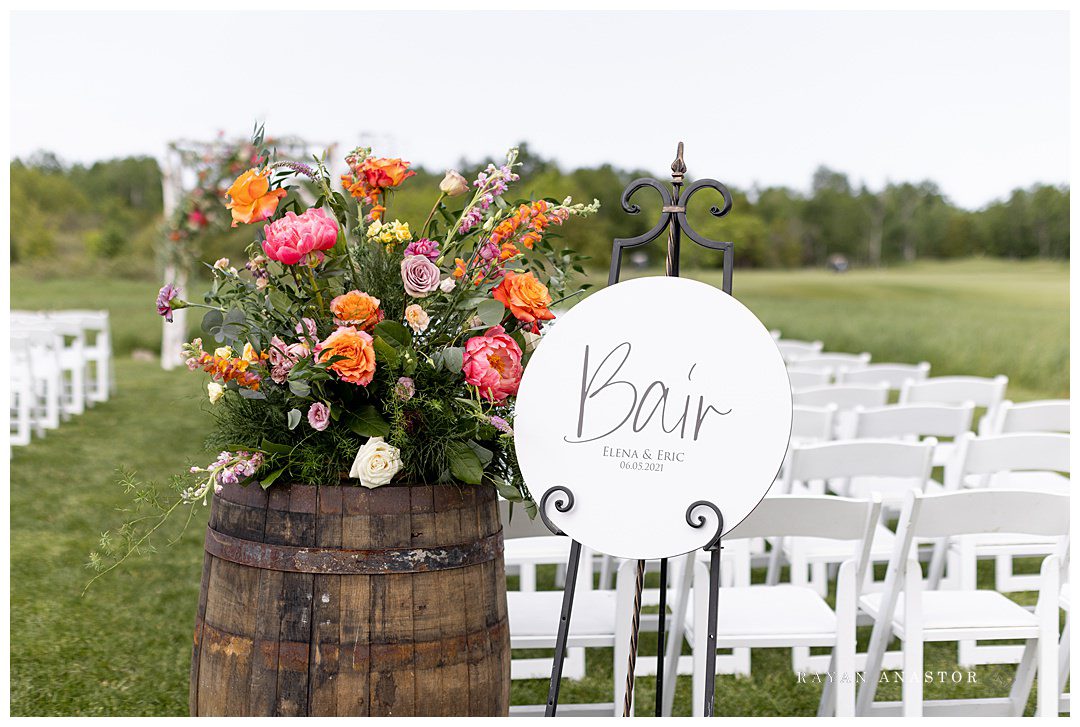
pixel 645 398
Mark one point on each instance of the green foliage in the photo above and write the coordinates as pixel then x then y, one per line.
pixel 107 243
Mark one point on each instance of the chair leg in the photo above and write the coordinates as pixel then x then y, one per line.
pixel 1025 677
pixel 1047 612
pixel 1063 655
pixel 912 692
pixel 701 635
pixel 684 576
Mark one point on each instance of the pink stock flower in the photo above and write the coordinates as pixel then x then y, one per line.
pixel 284 356
pixel 493 364
pixel 427 248
pixel 300 238
pixel 164 301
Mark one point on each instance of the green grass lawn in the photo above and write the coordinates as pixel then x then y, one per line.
pixel 123 649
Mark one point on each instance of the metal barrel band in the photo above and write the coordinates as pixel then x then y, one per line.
pixel 337 561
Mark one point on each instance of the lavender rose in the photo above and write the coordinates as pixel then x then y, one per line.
pixel 420 275
pixel 318 416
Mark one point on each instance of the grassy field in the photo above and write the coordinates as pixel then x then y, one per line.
pixel 123 649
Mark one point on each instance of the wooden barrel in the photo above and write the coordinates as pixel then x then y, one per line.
pixel 341 600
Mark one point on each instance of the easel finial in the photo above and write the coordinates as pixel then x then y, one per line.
pixel 678 167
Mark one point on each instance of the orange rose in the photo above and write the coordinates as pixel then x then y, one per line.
pixel 356 309
pixel 384 173
pixel 358 363
pixel 525 296
pixel 251 199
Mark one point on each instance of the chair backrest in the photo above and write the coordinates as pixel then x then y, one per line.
pixel 1049 415
pixel 1024 452
pixel 860 458
pixel 980 391
pixel 831 360
pixel 775 333
pixel 845 397
pixel 913 420
pixel 808 378
pixel 892 374
pixel 812 424
pixel 990 511
pixel 790 348
pixel 836 518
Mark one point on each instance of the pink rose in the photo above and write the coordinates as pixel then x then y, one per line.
pixel 493 364
pixel 300 238
pixel 318 416
pixel 420 275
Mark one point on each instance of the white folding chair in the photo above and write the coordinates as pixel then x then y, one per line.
pixel 908 422
pixel 791 348
pixel 69 350
pixel 845 397
pixel 907 612
pixel 830 360
pixel 1048 415
pixel 892 374
pixel 97 349
pixel 836 463
pixel 785 615
pixel 46 374
pixel 807 378
pixel 980 391
pixel 22 391
pixel 1016 462
pixel 527 544
pixel 601 618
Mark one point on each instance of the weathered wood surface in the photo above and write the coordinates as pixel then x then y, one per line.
pixel 291 621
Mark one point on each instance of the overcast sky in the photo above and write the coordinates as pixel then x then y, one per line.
pixel 978 102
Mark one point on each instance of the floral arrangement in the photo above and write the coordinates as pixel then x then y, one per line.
pixel 354 347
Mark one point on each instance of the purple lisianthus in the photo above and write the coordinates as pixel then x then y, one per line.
pixel 318 416
pixel 165 298
pixel 405 388
pixel 427 248
pixel 420 276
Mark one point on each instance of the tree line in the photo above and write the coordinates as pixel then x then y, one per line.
pixel 112 209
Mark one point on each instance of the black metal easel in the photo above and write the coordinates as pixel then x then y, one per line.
pixel 672 218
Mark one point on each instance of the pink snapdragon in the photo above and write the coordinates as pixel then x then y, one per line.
pixel 300 238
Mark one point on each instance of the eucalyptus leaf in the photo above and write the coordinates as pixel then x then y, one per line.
pixel 491 311
pixel 212 321
pixel 294 418
pixel 453 358
pixel 251 394
pixel 299 388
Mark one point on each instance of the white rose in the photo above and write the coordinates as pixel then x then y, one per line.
pixel 215 391
pixel 376 463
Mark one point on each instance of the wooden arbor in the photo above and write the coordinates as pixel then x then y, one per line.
pixel 194 178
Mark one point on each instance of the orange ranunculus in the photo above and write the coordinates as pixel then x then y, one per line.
pixel 525 296
pixel 356 309
pixel 357 365
pixel 384 173
pixel 251 199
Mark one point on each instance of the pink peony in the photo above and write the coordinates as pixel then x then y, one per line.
pixel 493 364
pixel 300 238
